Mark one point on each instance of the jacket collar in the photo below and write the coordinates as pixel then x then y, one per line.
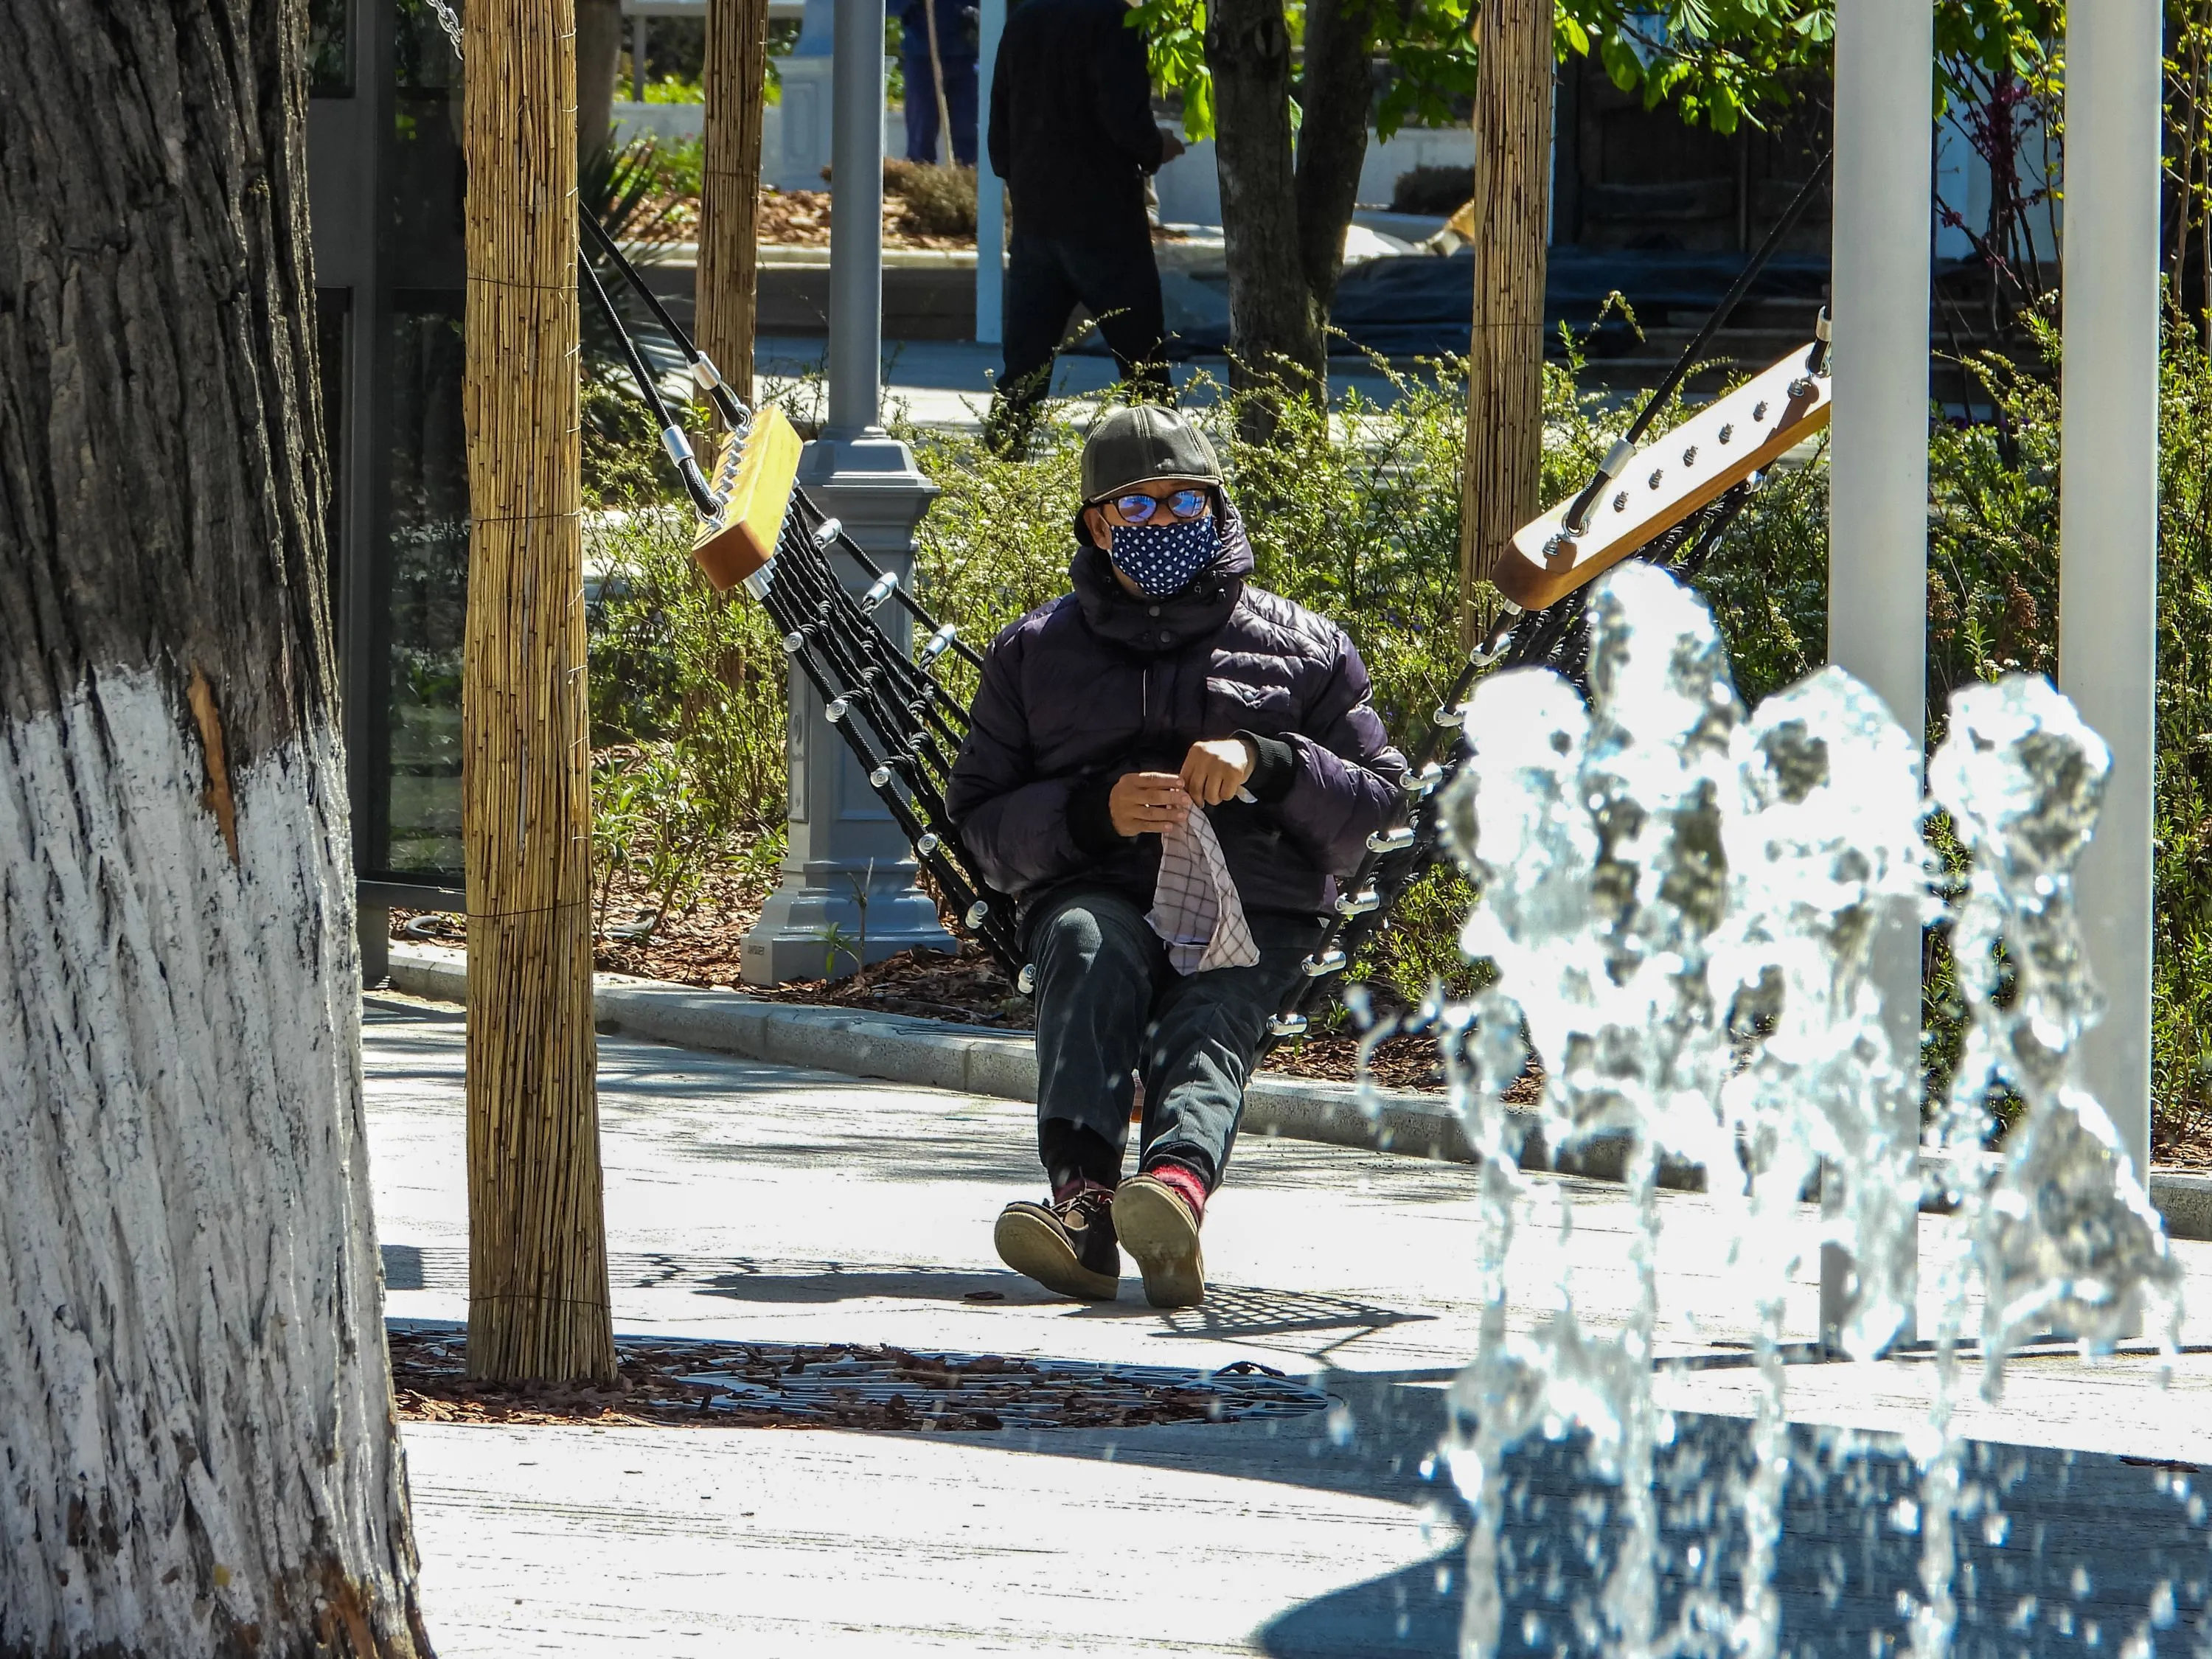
pixel 1155 626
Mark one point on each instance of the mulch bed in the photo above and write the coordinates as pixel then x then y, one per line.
pixel 771 1386
pixel 801 218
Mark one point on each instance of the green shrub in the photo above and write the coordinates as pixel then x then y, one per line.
pixel 1356 512
pixel 940 201
pixel 687 711
pixel 1439 191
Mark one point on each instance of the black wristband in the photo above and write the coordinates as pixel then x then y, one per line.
pixel 1273 769
pixel 1090 817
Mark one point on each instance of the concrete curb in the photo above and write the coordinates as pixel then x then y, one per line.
pixel 937 1055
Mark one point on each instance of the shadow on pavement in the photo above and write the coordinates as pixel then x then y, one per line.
pixel 2063 1553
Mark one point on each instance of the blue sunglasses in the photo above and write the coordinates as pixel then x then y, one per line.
pixel 1137 507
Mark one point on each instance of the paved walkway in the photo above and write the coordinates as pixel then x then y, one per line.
pixel 748 1201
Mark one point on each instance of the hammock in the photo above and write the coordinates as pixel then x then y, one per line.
pixel 758 529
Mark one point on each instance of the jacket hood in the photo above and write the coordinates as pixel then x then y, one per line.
pixel 1152 626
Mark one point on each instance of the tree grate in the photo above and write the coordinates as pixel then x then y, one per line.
pixel 845 1385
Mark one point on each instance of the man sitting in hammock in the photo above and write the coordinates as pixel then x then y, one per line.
pixel 1168 771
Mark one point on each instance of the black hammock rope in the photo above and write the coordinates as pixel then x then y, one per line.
pixel 905 729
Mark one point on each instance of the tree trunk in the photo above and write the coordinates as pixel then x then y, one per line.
pixel 729 195
pixel 538 1266
pixel 598 66
pixel 1276 343
pixel 199 1451
pixel 1336 94
pixel 1505 351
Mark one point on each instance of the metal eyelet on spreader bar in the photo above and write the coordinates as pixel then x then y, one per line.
pixel 1391 840
pixel 1282 1025
pixel 826 532
pixel 886 586
pixel 1328 963
pixel 1026 981
pixel 977 912
pixel 1359 904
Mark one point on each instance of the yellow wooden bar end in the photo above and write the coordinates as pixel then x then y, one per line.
pixel 754 480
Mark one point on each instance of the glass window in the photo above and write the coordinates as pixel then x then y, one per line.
pixel 418 828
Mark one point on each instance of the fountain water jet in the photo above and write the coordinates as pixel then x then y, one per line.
pixel 1681 902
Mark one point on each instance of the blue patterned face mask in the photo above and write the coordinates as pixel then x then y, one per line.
pixel 1164 558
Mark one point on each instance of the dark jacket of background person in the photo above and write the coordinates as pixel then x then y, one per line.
pixel 1072 131
pixel 1097 684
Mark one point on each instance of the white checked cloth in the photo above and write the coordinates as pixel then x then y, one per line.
pixel 1195 907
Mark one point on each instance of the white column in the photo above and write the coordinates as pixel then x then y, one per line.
pixel 1878 469
pixel 990 190
pixel 2108 510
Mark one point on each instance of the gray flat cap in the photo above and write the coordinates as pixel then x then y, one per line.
pixel 1141 441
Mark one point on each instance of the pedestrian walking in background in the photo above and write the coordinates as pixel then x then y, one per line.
pixel 1073 134
pixel 957 50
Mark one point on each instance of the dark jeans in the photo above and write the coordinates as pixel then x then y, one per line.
pixel 921 106
pixel 1107 1004
pixel 1047 277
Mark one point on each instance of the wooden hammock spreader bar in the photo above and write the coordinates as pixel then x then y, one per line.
pixel 1726 442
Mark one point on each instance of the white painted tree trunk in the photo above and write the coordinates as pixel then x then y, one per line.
pixel 197 1449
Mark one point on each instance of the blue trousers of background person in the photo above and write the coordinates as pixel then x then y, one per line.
pixel 921 106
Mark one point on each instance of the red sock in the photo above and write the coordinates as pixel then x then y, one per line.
pixel 1184 1182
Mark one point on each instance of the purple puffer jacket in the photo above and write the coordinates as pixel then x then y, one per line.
pixel 1097 684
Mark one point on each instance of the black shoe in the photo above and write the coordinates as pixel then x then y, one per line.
pixel 1067 1247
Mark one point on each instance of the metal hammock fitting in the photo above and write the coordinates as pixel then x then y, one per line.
pixel 1662 505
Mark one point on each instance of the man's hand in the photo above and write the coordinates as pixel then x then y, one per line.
pixel 1217 768
pixel 1146 803
pixel 1170 146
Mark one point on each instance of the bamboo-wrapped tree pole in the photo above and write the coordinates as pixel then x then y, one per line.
pixel 729 195
pixel 1505 352
pixel 537 1270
